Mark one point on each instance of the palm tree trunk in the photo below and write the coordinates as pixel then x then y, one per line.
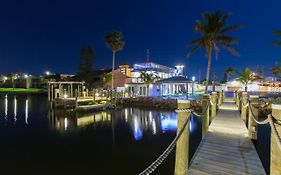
pixel 208 70
pixel 13 84
pixel 113 65
pixel 246 87
pixel 147 90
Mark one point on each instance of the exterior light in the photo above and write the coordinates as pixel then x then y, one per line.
pixel 65 96
pixel 25 75
pixel 47 73
pixel 193 78
pixel 97 94
pixel 179 66
pixel 5 78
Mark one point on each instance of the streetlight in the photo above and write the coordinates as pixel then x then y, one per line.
pixel 25 76
pixel 47 73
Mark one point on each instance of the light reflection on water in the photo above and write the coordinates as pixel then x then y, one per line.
pixel 139 120
pixel 41 135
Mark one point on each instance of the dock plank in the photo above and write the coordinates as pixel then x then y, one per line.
pixel 226 148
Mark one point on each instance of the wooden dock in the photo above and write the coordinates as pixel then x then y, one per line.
pixel 226 149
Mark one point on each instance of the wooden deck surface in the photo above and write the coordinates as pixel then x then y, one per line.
pixel 226 148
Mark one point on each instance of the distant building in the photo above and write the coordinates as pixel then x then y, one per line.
pixel 125 69
pixel 176 83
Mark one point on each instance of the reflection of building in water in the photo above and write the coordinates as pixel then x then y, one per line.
pixel 26 111
pixel 15 108
pixel 156 122
pixel 70 121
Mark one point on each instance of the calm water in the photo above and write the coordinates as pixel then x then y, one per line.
pixel 37 140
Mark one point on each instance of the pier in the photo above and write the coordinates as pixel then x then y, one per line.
pixel 226 148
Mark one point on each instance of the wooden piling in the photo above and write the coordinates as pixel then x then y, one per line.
pixel 244 106
pixel 182 147
pixel 275 151
pixel 252 125
pixel 213 106
pixel 206 115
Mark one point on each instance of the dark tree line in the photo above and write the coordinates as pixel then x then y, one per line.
pixel 85 67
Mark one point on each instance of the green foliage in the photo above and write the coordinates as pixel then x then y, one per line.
pixel 213 30
pixel 147 78
pixel 276 70
pixel 114 40
pixel 12 76
pixel 20 90
pixel 85 69
pixel 246 77
pixel 278 34
pixel 107 78
pixel 227 73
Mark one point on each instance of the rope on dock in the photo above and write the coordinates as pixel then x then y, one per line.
pixel 152 167
pixel 271 120
pixel 203 113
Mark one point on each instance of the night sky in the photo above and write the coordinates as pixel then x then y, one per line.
pixel 47 35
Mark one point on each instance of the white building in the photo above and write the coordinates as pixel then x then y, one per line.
pixel 136 87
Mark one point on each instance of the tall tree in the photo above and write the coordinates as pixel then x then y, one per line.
pixel 115 41
pixel 85 68
pixel 213 31
pixel 275 70
pixel 13 77
pixel 246 77
pixel 228 72
pixel 147 79
pixel 278 34
pixel 106 79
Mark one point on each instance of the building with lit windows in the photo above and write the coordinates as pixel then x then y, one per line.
pixel 167 81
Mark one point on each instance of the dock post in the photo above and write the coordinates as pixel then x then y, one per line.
pixel 182 147
pixel 275 151
pixel 244 106
pixel 94 95
pixel 49 92
pixel 206 114
pixel 213 106
pixel 252 125
pixel 220 98
pixel 239 101
pixel 236 98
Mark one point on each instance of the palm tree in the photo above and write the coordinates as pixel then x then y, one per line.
pixel 13 77
pixel 147 79
pixel 246 77
pixel 213 32
pixel 114 41
pixel 106 78
pixel 276 70
pixel 229 71
pixel 277 33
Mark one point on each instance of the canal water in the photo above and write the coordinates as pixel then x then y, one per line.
pixel 38 140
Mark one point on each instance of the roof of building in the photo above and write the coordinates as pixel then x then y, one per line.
pixel 179 79
pixel 151 66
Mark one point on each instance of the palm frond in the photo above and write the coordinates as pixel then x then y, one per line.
pixel 192 50
pixel 231 49
pixel 226 39
pixel 276 43
pixel 230 28
pixel 277 32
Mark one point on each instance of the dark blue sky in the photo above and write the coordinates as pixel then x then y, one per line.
pixel 40 35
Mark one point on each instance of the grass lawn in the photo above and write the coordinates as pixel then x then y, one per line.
pixel 21 90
